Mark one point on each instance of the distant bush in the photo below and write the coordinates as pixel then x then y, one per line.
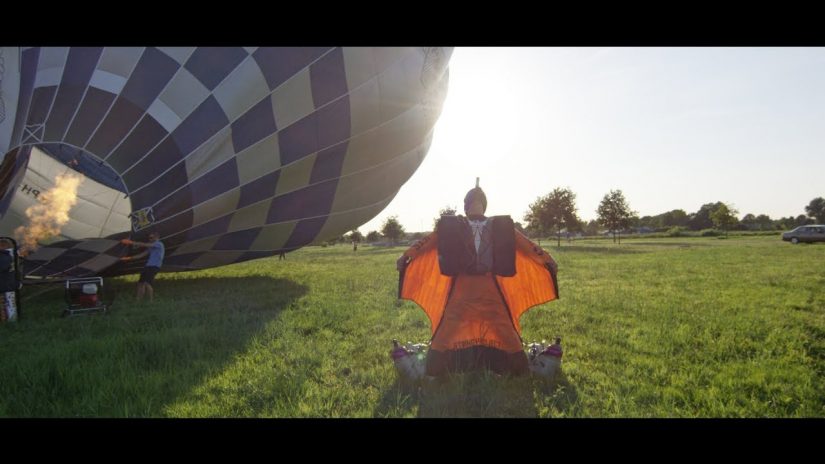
pixel 710 233
pixel 676 231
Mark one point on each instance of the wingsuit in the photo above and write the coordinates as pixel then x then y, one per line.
pixel 474 277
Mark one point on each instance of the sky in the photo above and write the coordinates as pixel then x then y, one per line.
pixel 673 128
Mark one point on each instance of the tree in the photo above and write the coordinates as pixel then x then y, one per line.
pixel 701 219
pixel 803 220
pixel 392 229
pixel 785 223
pixel 553 212
pixel 790 222
pixel 674 218
pixel 614 213
pixel 653 222
pixel 355 236
pixel 445 211
pixel 761 222
pixel 723 217
pixel 764 222
pixel 748 221
pixel 373 236
pixel 677 217
pixel 816 209
pixel 634 221
pixel 592 228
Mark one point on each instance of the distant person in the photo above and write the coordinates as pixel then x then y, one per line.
pixel 474 277
pixel 8 282
pixel 354 246
pixel 156 250
pixel 8 278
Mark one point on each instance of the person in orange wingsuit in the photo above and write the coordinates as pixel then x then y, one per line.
pixel 474 277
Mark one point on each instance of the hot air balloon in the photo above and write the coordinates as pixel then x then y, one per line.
pixel 230 153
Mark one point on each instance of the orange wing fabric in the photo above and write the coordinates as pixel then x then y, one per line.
pixel 533 283
pixel 422 281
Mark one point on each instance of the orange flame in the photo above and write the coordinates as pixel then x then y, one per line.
pixel 51 213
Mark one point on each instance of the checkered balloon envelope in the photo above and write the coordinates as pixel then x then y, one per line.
pixel 229 153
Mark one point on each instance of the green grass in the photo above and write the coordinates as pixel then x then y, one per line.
pixel 681 327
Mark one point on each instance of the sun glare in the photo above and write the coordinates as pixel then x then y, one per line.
pixel 479 122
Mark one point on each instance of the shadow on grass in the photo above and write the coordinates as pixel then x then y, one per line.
pixel 480 394
pixel 474 394
pixel 559 395
pixel 400 400
pixel 138 357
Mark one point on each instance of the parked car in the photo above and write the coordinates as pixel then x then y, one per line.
pixel 812 233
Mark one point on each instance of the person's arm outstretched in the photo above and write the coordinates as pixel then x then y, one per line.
pixel 126 241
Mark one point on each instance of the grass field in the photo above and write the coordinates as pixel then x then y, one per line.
pixel 681 327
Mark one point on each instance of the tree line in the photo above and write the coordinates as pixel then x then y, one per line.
pixel 556 214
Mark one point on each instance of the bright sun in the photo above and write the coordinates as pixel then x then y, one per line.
pixel 479 123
